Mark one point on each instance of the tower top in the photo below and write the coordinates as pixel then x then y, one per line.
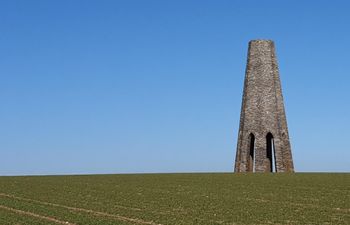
pixel 261 41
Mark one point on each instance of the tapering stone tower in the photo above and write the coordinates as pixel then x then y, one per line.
pixel 263 140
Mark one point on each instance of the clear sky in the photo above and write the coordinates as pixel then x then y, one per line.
pixel 156 86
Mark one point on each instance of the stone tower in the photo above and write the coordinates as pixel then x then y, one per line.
pixel 263 141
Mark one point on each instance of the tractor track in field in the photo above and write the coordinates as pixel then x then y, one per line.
pixel 89 211
pixel 47 218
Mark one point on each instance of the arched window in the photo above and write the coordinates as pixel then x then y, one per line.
pixel 270 153
pixel 251 157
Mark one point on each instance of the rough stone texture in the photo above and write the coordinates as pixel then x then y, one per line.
pixel 263 121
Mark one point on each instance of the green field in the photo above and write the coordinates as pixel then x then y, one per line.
pixel 219 198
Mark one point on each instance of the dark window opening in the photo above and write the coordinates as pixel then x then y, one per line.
pixel 251 158
pixel 270 153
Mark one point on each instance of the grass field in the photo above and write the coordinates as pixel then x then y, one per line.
pixel 176 199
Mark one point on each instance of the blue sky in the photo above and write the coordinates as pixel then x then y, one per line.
pixel 156 86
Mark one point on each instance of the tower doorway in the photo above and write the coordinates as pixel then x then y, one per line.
pixel 251 157
pixel 270 153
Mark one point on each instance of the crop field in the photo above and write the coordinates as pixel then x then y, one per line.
pixel 166 199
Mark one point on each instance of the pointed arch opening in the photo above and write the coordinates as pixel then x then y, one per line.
pixel 251 157
pixel 270 153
